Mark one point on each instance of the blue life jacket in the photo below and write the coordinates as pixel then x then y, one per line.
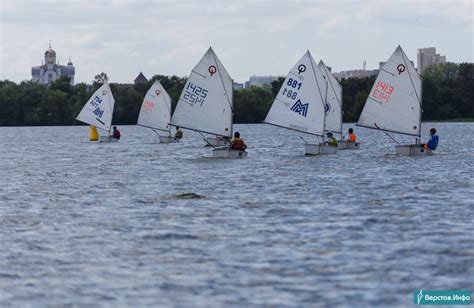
pixel 433 142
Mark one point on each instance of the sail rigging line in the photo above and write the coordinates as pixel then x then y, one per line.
pixel 205 140
pixel 293 129
pixel 154 128
pixel 375 124
pixel 382 69
pixel 304 140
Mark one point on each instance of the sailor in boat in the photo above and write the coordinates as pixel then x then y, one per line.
pixel 179 133
pixel 352 136
pixel 332 141
pixel 433 142
pixel 237 143
pixel 115 133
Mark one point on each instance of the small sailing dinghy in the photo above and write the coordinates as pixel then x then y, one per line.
pixel 98 112
pixel 300 104
pixel 333 109
pixel 206 104
pixel 394 103
pixel 155 113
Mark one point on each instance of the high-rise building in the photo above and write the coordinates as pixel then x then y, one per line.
pixel 355 74
pixel 260 81
pixel 51 70
pixel 428 56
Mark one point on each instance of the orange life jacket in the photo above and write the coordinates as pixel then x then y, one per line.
pixel 238 144
pixel 352 137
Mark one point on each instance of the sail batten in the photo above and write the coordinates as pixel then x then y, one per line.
pixel 394 102
pixel 155 112
pixel 205 104
pixel 98 110
pixel 299 103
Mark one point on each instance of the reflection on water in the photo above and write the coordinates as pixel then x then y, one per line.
pixel 143 224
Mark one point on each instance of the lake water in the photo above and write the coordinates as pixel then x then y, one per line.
pixel 139 223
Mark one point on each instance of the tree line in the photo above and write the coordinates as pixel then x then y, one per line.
pixel 448 94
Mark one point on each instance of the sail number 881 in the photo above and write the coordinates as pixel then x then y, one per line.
pixel 294 83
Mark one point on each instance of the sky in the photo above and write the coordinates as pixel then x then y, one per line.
pixel 250 37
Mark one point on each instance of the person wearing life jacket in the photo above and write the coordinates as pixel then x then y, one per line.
pixel 352 136
pixel 116 133
pixel 237 143
pixel 179 133
pixel 332 141
pixel 433 142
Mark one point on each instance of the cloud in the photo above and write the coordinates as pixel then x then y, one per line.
pixel 251 37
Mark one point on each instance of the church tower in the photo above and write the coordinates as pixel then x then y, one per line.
pixel 50 71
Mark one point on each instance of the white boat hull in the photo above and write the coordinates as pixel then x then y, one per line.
pixel 312 149
pixel 346 145
pixel 168 139
pixel 327 149
pixel 214 142
pixel 107 139
pixel 225 152
pixel 319 149
pixel 412 150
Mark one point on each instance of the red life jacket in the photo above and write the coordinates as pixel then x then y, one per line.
pixel 116 134
pixel 238 144
pixel 352 137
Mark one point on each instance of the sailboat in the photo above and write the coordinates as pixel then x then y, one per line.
pixel 155 112
pixel 300 104
pixel 394 103
pixel 98 112
pixel 206 103
pixel 333 109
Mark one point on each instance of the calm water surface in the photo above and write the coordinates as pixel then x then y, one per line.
pixel 139 223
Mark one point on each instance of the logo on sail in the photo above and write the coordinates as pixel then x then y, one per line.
pixel 327 107
pixel 104 92
pixel 212 70
pixel 301 68
pixel 148 106
pixel 300 108
pixel 400 68
pixel 157 92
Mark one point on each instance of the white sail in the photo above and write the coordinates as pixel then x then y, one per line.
pixel 98 110
pixel 394 103
pixel 299 103
pixel 333 105
pixel 155 112
pixel 205 104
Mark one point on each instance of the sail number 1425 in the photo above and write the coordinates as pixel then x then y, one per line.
pixel 194 94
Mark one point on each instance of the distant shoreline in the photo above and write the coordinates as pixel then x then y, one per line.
pixel 467 120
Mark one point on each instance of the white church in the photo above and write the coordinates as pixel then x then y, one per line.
pixel 50 70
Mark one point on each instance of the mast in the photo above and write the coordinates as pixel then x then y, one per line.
pixel 319 90
pixel 340 103
pixel 112 110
